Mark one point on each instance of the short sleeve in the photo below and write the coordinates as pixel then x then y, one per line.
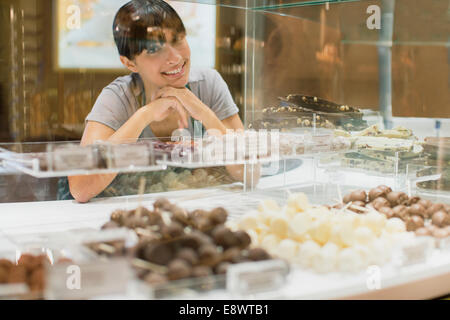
pixel 109 110
pixel 221 100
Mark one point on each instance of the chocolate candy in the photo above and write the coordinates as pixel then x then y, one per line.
pixel 17 274
pixel 201 271
pixel 425 203
pixel 218 215
pixel 359 204
pixel 397 198
pixel 385 188
pixel 231 254
pixel 207 252
pixel 440 218
pixel 417 210
pixel 380 202
pixel 118 215
pixel 434 208
pixel 243 238
pixel 173 230
pixel 422 232
pixel 159 253
pixel 346 198
pixel 358 195
pixel 375 193
pixel 400 211
pixel 222 268
pixel 178 269
pixel 162 204
pixel 413 200
pixel 387 211
pixel 188 255
pixel 258 254
pixel 413 223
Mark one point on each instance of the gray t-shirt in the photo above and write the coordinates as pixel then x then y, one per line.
pixel 121 98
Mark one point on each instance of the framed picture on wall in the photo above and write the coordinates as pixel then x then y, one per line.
pixel 84 40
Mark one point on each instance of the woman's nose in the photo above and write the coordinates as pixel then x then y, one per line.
pixel 174 57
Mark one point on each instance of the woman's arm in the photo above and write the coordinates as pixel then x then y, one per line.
pixel 85 187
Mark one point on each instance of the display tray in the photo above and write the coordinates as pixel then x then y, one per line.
pixel 430 181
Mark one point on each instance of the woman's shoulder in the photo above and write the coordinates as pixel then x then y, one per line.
pixel 127 84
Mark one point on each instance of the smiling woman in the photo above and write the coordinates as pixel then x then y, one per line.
pixel 161 94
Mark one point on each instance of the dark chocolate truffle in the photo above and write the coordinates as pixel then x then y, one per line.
pixel 413 200
pixel 375 193
pixel 163 204
pixel 379 203
pixel 413 223
pixel 231 254
pixel 359 204
pixel 207 252
pixel 385 188
pixel 243 238
pixel 400 211
pixel 179 269
pixel 440 219
pixel 387 211
pixel 397 198
pixel 189 255
pixel 173 230
pixel 417 210
pixel 218 215
pixel 201 271
pixel 346 198
pixel 434 208
pixel 258 254
pixel 222 268
pixel 358 195
pixel 425 203
pixel 159 253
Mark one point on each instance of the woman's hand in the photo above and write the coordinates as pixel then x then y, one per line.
pixel 161 108
pixel 189 101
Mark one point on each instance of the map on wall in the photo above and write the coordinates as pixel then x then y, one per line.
pixel 85 40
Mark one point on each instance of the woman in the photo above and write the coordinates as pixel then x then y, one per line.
pixel 161 95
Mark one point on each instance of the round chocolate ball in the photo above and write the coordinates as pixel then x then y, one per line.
pixel 346 198
pixel 413 200
pixel 379 203
pixel 434 208
pixel 425 203
pixel 243 238
pixel 258 254
pixel 387 211
pixel 159 253
pixel 189 255
pixel 358 204
pixel 400 211
pixel 218 215
pixel 358 195
pixel 385 188
pixel 222 268
pixel 413 223
pixel 118 215
pixel 417 210
pixel 162 204
pixel 231 254
pixel 375 193
pixel 178 269
pixel 440 218
pixel 173 230
pixel 207 252
pixel 201 271
pixel 422 232
pixel 397 198
pixel 5 263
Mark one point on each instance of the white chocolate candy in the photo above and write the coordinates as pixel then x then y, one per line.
pixel 270 242
pixel 269 205
pixel 363 235
pixel 394 225
pixel 249 221
pixel 287 249
pixel 326 260
pixel 349 260
pixel 307 253
pixel 298 201
pixel 301 224
pixel 279 226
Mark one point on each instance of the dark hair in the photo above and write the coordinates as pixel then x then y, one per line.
pixel 139 24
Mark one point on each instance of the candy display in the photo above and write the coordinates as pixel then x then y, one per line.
pixel 177 244
pixel 323 238
pixel 419 215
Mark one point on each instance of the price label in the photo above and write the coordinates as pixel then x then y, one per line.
pixel 256 277
pixel 130 155
pixel 73 158
pixel 87 280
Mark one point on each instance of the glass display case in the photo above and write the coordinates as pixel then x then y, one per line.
pixel 343 161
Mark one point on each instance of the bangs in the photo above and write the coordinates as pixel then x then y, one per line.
pixel 141 25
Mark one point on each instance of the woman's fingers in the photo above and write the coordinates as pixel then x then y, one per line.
pixel 181 111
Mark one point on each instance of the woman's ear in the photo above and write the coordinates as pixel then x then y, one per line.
pixel 129 64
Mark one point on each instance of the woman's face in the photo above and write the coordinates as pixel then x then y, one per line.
pixel 166 64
